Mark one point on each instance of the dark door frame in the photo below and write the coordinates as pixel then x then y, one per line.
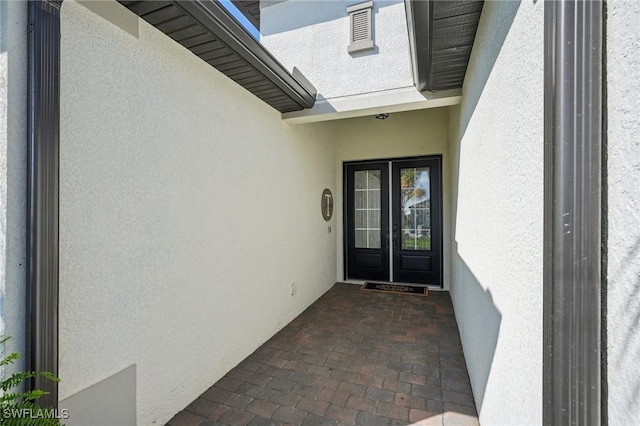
pixel 350 250
pixel 345 191
pixel 403 274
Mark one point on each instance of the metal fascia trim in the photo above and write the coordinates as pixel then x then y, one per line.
pixel 419 25
pixel 217 20
pixel 408 7
pixel 360 6
pixel 43 163
pixel 572 312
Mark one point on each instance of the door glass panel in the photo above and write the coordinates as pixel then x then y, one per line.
pixel 367 208
pixel 415 208
pixel 374 239
pixel 374 199
pixel 374 179
pixel 361 219
pixel 374 219
pixel 361 238
pixel 360 179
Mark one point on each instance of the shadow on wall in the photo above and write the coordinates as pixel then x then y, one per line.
pixel 3 26
pixel 480 347
pixel 309 13
pixel 629 316
pixel 479 320
pixel 492 38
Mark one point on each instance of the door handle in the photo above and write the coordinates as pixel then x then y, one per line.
pixel 395 240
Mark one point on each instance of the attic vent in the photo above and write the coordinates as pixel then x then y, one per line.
pixel 360 26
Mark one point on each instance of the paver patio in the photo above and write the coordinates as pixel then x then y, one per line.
pixel 353 357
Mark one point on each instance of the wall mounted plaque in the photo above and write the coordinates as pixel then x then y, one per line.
pixel 326 204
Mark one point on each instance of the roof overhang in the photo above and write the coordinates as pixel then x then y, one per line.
pixel 210 32
pixel 250 10
pixel 441 36
pixel 367 104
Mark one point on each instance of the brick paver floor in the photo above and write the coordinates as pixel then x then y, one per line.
pixel 353 357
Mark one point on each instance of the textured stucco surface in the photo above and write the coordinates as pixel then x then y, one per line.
pixel 497 213
pixel 406 134
pixel 13 158
pixel 314 35
pixel 187 209
pixel 623 274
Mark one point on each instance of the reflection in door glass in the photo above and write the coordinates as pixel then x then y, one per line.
pixel 415 208
pixel 367 209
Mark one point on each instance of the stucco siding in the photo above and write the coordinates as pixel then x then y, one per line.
pixel 187 210
pixel 623 227
pixel 496 150
pixel 13 175
pixel 314 36
pixel 406 134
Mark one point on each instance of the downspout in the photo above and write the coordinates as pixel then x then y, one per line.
pixel 43 194
pixel 573 138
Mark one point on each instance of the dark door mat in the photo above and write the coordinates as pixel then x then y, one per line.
pixel 396 288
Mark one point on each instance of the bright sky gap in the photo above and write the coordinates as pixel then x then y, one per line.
pixel 231 8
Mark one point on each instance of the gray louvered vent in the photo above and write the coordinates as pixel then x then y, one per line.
pixel 360 26
pixel 360 18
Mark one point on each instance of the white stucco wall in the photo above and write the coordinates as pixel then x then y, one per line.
pixel 187 209
pixel 13 160
pixel 313 35
pixel 497 213
pixel 406 134
pixel 623 274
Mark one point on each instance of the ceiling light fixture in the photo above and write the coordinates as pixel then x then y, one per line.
pixel 382 116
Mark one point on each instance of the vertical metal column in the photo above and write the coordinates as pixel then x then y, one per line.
pixel 573 222
pixel 42 193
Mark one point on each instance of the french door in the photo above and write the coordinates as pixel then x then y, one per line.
pixel 393 221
